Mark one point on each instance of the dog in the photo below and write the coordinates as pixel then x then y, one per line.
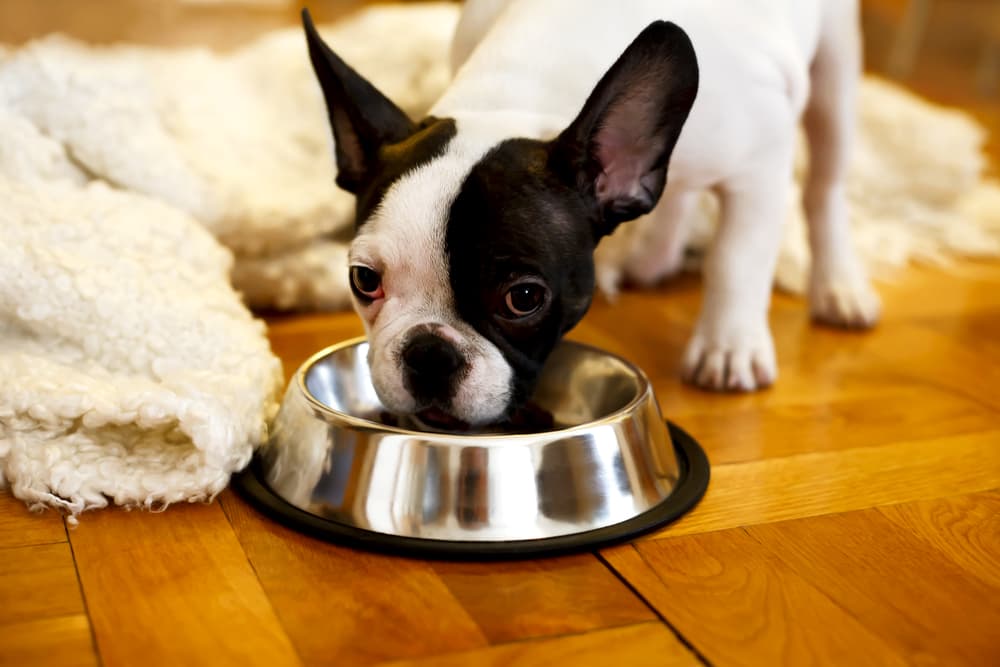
pixel 476 227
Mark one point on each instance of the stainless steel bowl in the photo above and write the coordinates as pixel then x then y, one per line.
pixel 610 469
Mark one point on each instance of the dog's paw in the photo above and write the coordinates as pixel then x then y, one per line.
pixel 733 359
pixel 610 260
pixel 609 278
pixel 844 300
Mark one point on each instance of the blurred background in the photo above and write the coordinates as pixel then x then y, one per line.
pixel 946 50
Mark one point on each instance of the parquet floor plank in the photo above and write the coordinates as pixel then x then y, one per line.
pixel 645 645
pixel 520 600
pixel 966 528
pixel 744 494
pixel 348 607
pixel 739 605
pixel 21 528
pixel 38 582
pixel 62 641
pixel 174 588
pixel 898 585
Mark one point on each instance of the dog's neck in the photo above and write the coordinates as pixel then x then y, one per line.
pixel 491 126
pixel 498 98
pixel 497 89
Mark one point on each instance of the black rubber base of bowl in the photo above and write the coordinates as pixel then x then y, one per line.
pixel 691 486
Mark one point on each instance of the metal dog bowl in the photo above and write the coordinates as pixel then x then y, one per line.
pixel 610 470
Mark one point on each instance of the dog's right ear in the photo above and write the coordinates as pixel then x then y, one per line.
pixel 618 148
pixel 362 118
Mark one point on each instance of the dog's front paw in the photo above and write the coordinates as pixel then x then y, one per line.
pixel 610 260
pixel 843 299
pixel 609 278
pixel 731 358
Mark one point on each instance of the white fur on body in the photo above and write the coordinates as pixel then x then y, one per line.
pixel 739 141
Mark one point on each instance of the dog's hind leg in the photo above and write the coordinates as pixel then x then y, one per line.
pixel 839 291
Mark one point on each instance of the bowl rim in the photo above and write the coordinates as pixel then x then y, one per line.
pixel 362 424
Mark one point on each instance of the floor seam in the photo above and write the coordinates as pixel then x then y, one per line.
pixel 263 589
pixel 11 547
pixel 83 598
pixel 656 612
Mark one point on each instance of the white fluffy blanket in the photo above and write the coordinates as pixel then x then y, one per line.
pixel 129 368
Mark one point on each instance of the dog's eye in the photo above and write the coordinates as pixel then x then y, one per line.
pixel 366 283
pixel 524 299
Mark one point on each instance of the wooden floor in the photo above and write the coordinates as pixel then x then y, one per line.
pixel 853 518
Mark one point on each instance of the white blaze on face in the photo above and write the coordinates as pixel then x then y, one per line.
pixel 404 240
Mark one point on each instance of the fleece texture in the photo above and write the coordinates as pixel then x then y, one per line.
pixel 149 195
pixel 130 369
pixel 240 140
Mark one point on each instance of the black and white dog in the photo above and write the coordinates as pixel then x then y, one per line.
pixel 477 226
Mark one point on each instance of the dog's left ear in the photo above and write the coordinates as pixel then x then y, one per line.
pixel 363 119
pixel 617 149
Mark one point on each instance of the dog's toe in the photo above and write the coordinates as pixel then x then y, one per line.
pixel 741 366
pixel 849 304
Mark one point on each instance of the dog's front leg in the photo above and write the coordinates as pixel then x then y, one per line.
pixel 732 349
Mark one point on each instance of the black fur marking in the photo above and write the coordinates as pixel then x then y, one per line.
pixel 375 141
pixel 514 217
pixel 396 160
pixel 361 117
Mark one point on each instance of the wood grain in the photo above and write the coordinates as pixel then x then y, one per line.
pixel 514 601
pixel 64 641
pixel 953 293
pixel 965 528
pixel 351 608
pixel 646 645
pixel 739 605
pixel 941 351
pixel 742 494
pixel 174 588
pixel 912 595
pixel 20 528
pixel 38 582
pixel 868 416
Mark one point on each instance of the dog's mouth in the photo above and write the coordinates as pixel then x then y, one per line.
pixel 438 419
pixel 528 418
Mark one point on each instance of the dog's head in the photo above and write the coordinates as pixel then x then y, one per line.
pixel 473 251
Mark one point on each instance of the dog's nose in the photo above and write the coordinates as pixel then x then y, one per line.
pixel 431 365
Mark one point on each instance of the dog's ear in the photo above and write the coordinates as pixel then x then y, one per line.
pixel 617 149
pixel 362 118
